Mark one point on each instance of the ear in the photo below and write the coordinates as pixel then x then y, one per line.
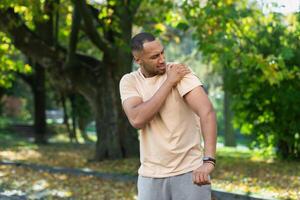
pixel 136 58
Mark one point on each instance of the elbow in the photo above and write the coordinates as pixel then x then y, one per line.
pixel 212 112
pixel 209 114
pixel 137 124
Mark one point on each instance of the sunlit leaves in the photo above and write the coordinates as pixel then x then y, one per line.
pixel 262 50
pixel 162 18
pixel 43 185
pixel 253 173
pixel 10 62
pixel 160 27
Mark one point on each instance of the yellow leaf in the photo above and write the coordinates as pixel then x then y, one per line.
pixel 160 27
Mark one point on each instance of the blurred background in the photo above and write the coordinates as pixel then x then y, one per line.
pixel 60 66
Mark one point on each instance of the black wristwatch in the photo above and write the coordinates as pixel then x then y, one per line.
pixel 209 159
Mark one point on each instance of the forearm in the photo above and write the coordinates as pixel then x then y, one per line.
pixel 145 111
pixel 209 132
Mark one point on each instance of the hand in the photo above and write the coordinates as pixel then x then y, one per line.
pixel 175 72
pixel 201 175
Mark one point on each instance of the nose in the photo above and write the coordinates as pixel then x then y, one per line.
pixel 161 58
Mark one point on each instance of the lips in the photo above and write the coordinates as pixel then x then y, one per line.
pixel 161 67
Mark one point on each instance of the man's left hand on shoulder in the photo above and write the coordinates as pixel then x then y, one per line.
pixel 201 174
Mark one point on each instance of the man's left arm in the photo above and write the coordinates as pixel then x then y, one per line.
pixel 199 102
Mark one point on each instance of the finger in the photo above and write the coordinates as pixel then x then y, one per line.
pixel 177 66
pixel 196 178
pixel 182 67
pixel 176 69
pixel 205 178
pixel 187 68
pixel 184 71
pixel 170 64
pixel 202 177
pixel 193 177
pixel 199 178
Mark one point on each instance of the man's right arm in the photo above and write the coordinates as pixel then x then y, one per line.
pixel 139 113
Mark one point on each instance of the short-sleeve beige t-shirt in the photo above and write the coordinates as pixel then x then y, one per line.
pixel 170 144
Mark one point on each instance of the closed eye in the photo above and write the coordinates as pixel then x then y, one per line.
pixel 157 55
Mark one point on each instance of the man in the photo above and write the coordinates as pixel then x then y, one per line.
pixel 167 102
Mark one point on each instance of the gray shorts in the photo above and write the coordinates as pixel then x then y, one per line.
pixel 179 187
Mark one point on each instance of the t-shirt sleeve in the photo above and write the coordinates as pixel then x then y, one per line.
pixel 188 83
pixel 128 88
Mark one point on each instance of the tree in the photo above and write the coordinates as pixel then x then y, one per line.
pixel 96 79
pixel 8 67
pixel 260 50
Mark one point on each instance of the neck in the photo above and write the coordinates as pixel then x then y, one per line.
pixel 146 74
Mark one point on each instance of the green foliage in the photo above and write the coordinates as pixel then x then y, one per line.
pixel 259 54
pixel 164 19
pixel 10 62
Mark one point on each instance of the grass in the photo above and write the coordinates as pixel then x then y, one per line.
pixel 238 170
pixel 43 185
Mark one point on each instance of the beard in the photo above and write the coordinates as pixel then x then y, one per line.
pixel 153 70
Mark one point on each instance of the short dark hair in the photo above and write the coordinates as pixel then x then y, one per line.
pixel 139 39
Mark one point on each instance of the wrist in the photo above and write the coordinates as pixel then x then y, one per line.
pixel 208 159
pixel 209 163
pixel 170 82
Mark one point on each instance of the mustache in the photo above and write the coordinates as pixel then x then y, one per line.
pixel 162 65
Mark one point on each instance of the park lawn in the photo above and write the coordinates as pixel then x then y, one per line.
pixel 238 170
pixel 44 185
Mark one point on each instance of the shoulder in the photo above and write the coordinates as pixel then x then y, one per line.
pixel 129 76
pixel 129 79
pixel 126 77
pixel 188 83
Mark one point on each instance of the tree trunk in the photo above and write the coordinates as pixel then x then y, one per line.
pixel 66 116
pixel 73 136
pixel 84 117
pixel 128 137
pixel 108 141
pixel 2 92
pixel 229 135
pixel 96 80
pixel 115 137
pixel 39 104
pixel 83 133
pixel 283 147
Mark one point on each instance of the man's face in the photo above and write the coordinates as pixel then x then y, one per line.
pixel 151 58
